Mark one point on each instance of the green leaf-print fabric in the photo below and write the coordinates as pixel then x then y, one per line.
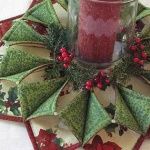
pixel 33 95
pixel 123 115
pixel 49 106
pixel 43 13
pixel 97 118
pixel 139 105
pixel 21 31
pixel 16 61
pixel 74 115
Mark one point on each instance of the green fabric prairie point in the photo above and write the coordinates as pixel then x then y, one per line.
pixel 74 115
pixel 85 116
pixel 43 13
pixel 139 106
pixel 21 31
pixel 97 118
pixel 49 106
pixel 16 61
pixel 123 114
pixel 33 95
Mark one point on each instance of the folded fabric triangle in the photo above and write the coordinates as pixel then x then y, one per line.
pixel 33 95
pixel 139 106
pixel 97 118
pixel 21 31
pixel 43 13
pixel 85 116
pixel 17 61
pixel 49 106
pixel 74 115
pixel 123 115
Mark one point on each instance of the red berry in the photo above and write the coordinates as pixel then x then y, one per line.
pixel 107 81
pixel 99 85
pixel 88 87
pixel 66 66
pixel 141 62
pixel 133 48
pixel 144 55
pixel 67 59
pixel 138 40
pixel 142 47
pixel 63 50
pixel 89 83
pixel 60 58
pixel 136 60
pixel 102 73
pixel 64 54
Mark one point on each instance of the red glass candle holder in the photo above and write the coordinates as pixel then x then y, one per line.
pixel 102 29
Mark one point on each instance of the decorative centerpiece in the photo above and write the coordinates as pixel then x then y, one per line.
pixel 64 105
pixel 103 29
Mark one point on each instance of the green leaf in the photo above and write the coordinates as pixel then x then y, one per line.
pixel 144 13
pixel 12 94
pixel 15 111
pixel 59 141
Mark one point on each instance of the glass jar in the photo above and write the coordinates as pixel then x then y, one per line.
pixel 100 29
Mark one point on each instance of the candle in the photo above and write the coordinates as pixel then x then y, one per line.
pixel 97 30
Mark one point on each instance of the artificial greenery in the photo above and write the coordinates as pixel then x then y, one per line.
pixel 57 38
pixel 54 71
pixel 124 68
pixel 79 74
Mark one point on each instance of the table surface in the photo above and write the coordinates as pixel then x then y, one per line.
pixel 13 136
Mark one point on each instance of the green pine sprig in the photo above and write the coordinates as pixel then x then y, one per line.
pixel 79 74
pixel 57 38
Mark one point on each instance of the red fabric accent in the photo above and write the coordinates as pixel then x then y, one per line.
pixel 34 2
pixel 73 147
pixel 11 118
pixel 141 139
pixel 34 143
pixel 31 135
pixel 97 144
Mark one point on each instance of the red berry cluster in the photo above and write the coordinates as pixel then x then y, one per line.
pixel 101 81
pixel 65 57
pixel 137 51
